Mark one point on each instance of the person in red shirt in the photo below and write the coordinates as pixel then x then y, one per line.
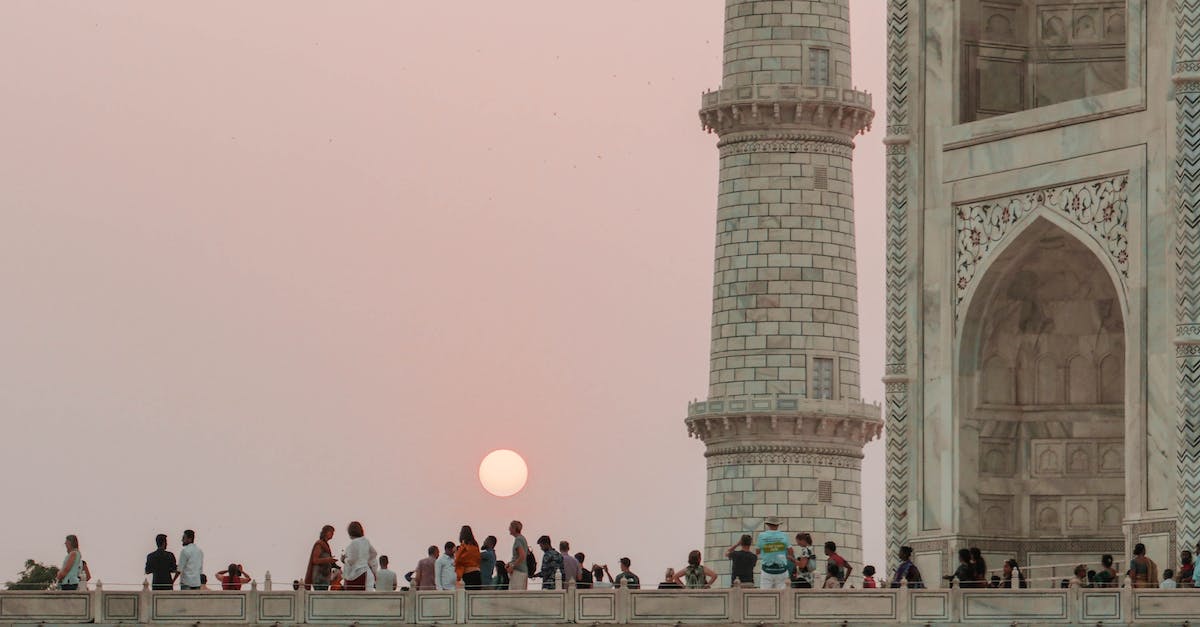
pixel 844 567
pixel 233 577
pixel 869 577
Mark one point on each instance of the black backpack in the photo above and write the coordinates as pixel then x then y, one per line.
pixel 530 562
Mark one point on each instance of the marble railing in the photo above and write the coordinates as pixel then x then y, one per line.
pixel 949 606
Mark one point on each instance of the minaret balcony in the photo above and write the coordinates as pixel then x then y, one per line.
pixel 818 108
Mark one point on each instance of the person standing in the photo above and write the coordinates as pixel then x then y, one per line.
pixel 1012 571
pixel 626 578
pixel 233 578
pixel 385 580
pixel 443 569
pixel 518 572
pixel 425 574
pixel 1142 570
pixel 1187 570
pixel 467 559
pixel 869 577
pixel 487 563
pixel 695 575
pixel 191 563
pixel 773 547
pixel 1106 577
pixel 585 574
pixel 320 562
pixel 844 567
pixel 741 562
pixel 160 565
pixel 1079 577
pixel 359 559
pixel 599 572
pixel 980 565
pixel 570 565
pixel 907 572
pixel 805 561
pixel 500 582
pixel 552 563
pixel 72 567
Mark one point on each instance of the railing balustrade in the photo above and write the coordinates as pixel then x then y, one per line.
pixel 604 606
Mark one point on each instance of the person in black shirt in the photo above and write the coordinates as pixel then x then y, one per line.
pixel 161 564
pixel 585 575
pixel 742 561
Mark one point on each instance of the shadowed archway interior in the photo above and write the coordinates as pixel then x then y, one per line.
pixel 1043 380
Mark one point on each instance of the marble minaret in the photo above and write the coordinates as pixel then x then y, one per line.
pixel 784 425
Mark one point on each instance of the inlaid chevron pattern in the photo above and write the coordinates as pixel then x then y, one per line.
pixel 1187 266
pixel 897 280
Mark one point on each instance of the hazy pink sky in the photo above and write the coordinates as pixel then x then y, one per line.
pixel 273 265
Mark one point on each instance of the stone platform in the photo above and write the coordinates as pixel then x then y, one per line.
pixel 595 607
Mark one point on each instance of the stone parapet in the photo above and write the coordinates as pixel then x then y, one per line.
pixel 619 606
pixel 845 112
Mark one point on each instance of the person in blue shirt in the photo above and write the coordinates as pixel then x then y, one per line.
pixel 775 552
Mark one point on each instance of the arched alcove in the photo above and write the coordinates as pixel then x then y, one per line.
pixel 1043 348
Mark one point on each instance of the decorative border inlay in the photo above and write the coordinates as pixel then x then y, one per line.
pixel 1187 266
pixel 898 273
pixel 1100 207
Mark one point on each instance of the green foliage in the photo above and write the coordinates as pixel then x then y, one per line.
pixel 35 577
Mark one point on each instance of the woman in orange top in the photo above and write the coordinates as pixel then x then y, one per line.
pixel 466 559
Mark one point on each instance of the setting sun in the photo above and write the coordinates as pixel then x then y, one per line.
pixel 503 472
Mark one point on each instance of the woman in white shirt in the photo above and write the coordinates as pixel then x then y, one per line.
pixel 359 559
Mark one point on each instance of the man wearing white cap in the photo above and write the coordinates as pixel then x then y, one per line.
pixel 775 553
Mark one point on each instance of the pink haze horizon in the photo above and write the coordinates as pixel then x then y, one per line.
pixel 275 265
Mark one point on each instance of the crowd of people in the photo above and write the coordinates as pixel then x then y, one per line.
pixel 771 561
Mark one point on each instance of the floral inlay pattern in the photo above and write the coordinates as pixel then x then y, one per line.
pixel 1100 207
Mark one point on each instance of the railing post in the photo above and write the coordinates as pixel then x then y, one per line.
pixel 569 602
pixel 410 604
pixel 903 602
pixel 624 611
pixel 460 605
pixel 737 607
pixel 267 581
pixel 94 612
pixel 144 603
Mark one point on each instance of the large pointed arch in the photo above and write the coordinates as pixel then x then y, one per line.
pixel 1048 304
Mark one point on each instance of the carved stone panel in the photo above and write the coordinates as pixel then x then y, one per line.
pixel 997 513
pixel 997 458
pixel 1046 515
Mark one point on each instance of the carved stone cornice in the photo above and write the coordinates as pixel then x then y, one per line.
pixel 839 425
pixel 736 455
pixel 846 112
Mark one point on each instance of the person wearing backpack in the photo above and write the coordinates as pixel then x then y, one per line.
pixel 519 566
pixel 695 575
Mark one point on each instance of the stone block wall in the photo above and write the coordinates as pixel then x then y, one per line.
pixel 770 41
pixel 785 283
pixel 817 494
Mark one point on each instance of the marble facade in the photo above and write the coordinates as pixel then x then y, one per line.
pixel 1043 279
